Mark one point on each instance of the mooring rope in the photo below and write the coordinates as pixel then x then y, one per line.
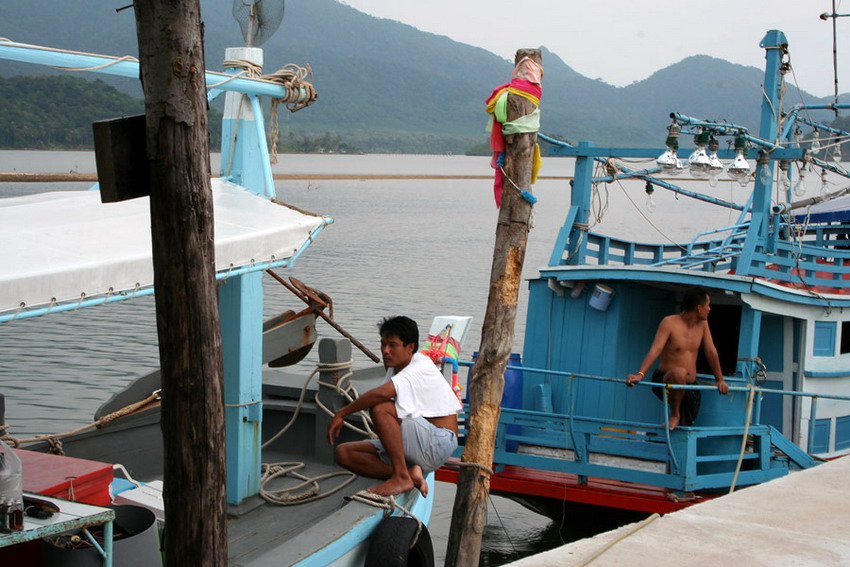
pixel 269 472
pixel 346 392
pixel 618 539
pixel 284 496
pixel 54 440
pixel 749 411
pixel 388 503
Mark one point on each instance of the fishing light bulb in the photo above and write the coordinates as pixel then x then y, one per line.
pixel 669 161
pixel 800 187
pixel 815 147
pixel 650 202
pixel 698 163
pixel 836 153
pixel 715 166
pixel 739 169
pixel 765 169
pixel 824 184
pixel 784 174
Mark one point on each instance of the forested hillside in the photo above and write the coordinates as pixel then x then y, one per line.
pixel 382 86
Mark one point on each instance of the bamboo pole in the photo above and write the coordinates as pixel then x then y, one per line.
pixel 488 374
pixel 171 61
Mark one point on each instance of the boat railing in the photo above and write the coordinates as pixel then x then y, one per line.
pixel 707 255
pixel 689 458
pixel 803 265
pixel 816 260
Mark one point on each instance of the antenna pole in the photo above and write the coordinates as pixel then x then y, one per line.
pixel 834 15
pixel 249 40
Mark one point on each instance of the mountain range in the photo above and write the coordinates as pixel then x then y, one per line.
pixel 384 86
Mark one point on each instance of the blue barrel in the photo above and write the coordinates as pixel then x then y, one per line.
pixel 511 395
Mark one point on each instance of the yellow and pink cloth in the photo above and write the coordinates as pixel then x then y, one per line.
pixel 525 82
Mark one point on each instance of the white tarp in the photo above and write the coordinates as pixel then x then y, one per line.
pixel 64 244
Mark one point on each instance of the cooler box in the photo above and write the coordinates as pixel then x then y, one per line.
pixel 68 478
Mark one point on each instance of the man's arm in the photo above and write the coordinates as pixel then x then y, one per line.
pixel 382 393
pixel 713 360
pixel 662 335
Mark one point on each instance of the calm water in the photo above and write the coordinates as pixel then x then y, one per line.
pixel 416 247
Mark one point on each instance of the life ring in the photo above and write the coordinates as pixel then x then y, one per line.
pixel 394 544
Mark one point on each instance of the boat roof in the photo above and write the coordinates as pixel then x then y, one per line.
pixel 837 210
pixel 67 246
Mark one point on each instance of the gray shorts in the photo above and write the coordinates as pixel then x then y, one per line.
pixel 425 444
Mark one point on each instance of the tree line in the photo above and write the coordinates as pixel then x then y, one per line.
pixel 50 112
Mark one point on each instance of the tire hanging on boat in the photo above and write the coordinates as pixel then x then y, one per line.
pixel 394 544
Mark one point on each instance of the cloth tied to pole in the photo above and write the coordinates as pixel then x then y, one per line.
pixel 525 82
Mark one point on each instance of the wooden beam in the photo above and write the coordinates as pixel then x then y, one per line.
pixel 171 59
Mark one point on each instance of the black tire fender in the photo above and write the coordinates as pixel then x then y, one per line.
pixel 392 544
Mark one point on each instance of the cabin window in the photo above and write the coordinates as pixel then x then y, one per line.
pixel 842 433
pixel 845 337
pixel 824 343
pixel 821 442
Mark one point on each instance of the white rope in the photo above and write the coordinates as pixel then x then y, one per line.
pixel 750 396
pixel 617 540
pixel 346 392
pixel 388 503
pixel 309 487
pixel 285 496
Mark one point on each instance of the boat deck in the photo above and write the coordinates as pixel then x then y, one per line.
pixel 515 482
pixel 799 519
pixel 254 538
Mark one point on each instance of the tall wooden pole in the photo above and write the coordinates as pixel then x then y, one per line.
pixel 171 57
pixel 469 514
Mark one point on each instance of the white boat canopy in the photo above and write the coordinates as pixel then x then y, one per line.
pixel 67 246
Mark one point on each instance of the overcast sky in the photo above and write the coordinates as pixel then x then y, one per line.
pixel 622 41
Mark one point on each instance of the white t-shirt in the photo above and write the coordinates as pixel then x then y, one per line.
pixel 421 390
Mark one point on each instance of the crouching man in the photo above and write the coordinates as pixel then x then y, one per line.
pixel 414 414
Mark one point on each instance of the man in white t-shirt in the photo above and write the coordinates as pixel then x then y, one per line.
pixel 414 413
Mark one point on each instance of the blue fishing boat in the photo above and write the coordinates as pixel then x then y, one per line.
pixel 73 250
pixel 571 431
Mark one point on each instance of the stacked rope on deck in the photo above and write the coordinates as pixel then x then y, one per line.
pixel 287 496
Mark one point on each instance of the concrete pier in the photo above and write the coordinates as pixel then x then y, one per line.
pixel 801 520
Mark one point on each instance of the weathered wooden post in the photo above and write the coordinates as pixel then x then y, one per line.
pixel 171 57
pixel 488 375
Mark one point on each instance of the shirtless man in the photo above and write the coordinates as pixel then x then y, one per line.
pixel 414 413
pixel 678 340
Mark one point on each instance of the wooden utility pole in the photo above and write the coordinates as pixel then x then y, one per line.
pixel 469 514
pixel 171 57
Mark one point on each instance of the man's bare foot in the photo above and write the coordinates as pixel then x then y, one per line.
pixel 673 422
pixel 393 486
pixel 419 479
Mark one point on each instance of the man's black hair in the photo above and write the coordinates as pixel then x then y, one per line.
pixel 693 297
pixel 402 327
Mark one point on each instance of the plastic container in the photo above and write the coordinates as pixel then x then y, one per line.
pixel 139 548
pixel 601 297
pixel 11 488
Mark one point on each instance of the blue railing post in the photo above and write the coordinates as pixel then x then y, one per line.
pixel 582 188
pixel 813 418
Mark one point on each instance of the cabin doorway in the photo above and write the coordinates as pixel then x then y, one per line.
pixel 724 322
